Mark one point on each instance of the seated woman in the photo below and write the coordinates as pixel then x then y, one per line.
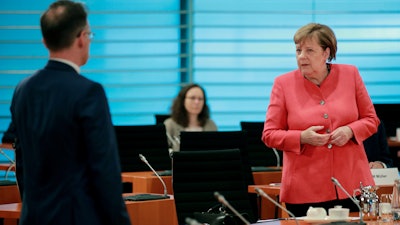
pixel 189 112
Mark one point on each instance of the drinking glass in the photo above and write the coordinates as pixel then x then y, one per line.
pixel 385 208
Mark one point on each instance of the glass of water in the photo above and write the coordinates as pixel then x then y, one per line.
pixel 385 208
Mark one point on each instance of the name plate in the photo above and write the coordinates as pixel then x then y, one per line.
pixel 385 176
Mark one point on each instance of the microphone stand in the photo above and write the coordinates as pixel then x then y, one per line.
pixel 158 176
pixel 263 194
pixel 278 158
pixel 336 182
pixel 146 196
pixel 222 200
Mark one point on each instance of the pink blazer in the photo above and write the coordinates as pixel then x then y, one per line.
pixel 295 105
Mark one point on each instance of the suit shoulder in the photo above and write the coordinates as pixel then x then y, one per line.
pixel 345 66
pixel 84 81
pixel 287 77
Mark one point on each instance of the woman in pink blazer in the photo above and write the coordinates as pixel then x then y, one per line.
pixel 319 115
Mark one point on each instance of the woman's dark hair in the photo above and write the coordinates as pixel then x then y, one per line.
pixel 61 23
pixel 179 113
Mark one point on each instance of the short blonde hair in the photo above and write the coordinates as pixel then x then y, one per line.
pixel 324 34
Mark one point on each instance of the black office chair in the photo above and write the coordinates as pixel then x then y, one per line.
pixel 198 174
pixel 210 140
pixel 160 118
pixel 376 147
pixel 148 140
pixel 260 156
pixel 217 140
pixel 388 113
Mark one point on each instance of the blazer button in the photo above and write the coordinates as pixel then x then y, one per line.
pixel 325 115
pixel 329 146
pixel 328 131
pixel 322 102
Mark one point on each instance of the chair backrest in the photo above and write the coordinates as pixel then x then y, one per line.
pixel 377 149
pixel 196 175
pixel 148 140
pixel 160 118
pixel 259 154
pixel 388 113
pixel 210 140
pixel 216 140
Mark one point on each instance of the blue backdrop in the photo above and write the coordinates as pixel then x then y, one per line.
pixel 144 50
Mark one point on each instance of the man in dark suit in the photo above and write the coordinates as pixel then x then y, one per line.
pixel 71 171
pixel 377 149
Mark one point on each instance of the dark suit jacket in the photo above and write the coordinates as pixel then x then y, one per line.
pixel 377 148
pixel 9 135
pixel 71 169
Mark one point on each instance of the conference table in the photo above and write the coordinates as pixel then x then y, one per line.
pixel 10 213
pixel 152 212
pixel 353 221
pixel 274 189
pixel 9 192
pixel 393 142
pixel 148 182
pixel 156 212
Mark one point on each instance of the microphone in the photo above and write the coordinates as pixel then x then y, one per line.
pixel 263 194
pixel 5 155
pixel 278 158
pixel 222 200
pixel 173 139
pixel 336 182
pixel 162 181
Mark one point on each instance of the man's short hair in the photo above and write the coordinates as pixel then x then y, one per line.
pixel 62 22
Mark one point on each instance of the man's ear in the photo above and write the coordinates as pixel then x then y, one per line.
pixel 80 40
